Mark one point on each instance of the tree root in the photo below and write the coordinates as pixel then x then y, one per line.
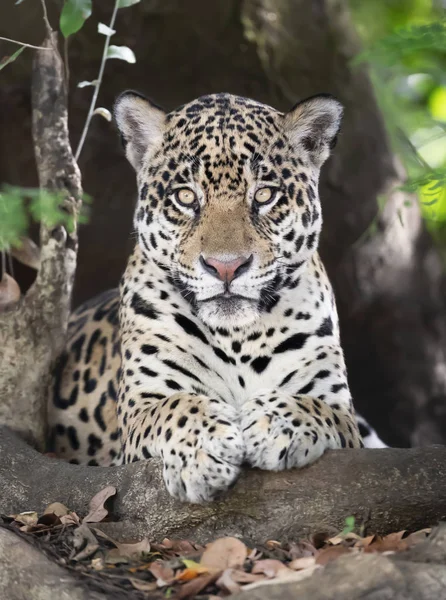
pixel 385 490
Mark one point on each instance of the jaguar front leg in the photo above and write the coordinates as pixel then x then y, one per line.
pixel 197 438
pixel 282 431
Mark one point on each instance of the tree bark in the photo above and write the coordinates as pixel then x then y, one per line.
pixel 385 490
pixel 32 331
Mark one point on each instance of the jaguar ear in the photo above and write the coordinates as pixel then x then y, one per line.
pixel 140 123
pixel 313 125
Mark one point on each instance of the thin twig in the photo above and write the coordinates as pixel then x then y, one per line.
pixel 98 84
pixel 65 59
pixel 23 44
pixel 45 18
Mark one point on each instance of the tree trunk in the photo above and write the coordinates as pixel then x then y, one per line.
pixel 389 284
pixel 32 331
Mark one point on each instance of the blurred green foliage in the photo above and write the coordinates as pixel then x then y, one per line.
pixel 19 205
pixel 405 46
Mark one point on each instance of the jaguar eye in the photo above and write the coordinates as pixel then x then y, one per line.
pixel 264 195
pixel 186 197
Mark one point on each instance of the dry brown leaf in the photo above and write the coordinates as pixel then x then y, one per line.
pixel 330 553
pixel 28 253
pixel 143 586
pixel 97 511
pixel 269 567
pixel 244 577
pixel 340 539
pixel 9 291
pixel 84 541
pixel 226 583
pixel 305 562
pixel 224 553
pixel 98 563
pixel 114 558
pixel 417 537
pixel 364 542
pixel 177 548
pixel 133 548
pixel 49 520
pixel 70 519
pixel 28 518
pixel 56 508
pixel 285 575
pixel 191 588
pixel 88 551
pixel 301 549
pixel 393 542
pixel 164 574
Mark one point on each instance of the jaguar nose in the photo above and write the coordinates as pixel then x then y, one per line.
pixel 226 270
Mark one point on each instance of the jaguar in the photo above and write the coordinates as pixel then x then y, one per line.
pixel 222 346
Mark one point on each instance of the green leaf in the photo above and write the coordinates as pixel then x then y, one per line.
pixel 122 53
pixel 105 30
pixel 393 48
pixel 13 219
pixel 349 525
pixel 9 59
pixel 190 564
pixel 73 16
pixel 125 3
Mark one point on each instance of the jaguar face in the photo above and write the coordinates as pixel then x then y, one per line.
pixel 228 195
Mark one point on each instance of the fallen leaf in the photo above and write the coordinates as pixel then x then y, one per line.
pixel 272 544
pixel 364 542
pixel 301 549
pixel 226 583
pixel 84 541
pixel 28 518
pixel 70 519
pixel 224 553
pixel 134 548
pixel 56 508
pixel 417 537
pixel 9 291
pixel 393 542
pixel 191 572
pixel 340 539
pixel 143 586
pixel 330 553
pixel 177 547
pixel 114 558
pixel 191 588
pixel 49 520
pixel 269 567
pixel 98 563
pixel 234 576
pixel 304 562
pixel 97 511
pixel 164 575
pixel 288 576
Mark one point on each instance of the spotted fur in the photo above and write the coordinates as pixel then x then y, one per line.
pixel 227 349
